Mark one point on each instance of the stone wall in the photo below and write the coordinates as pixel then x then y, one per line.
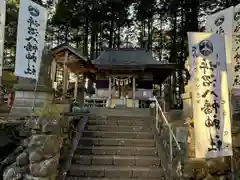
pixel 207 169
pixel 24 99
pixel 184 165
pixel 12 135
pixel 41 152
pixel 218 168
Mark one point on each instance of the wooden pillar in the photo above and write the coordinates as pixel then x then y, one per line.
pixel 76 87
pixel 134 91
pixel 65 75
pixel 53 71
pixel 110 92
pixel 81 94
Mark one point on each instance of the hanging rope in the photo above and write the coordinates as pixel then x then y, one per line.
pixel 122 82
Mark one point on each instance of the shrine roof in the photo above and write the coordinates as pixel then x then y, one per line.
pixel 125 56
pixel 62 48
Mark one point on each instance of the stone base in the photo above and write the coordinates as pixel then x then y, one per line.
pixel 24 101
pixel 235 100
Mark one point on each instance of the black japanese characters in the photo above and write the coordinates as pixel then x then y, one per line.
pixel 32 44
pixel 208 96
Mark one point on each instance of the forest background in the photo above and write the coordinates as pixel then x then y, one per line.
pixel 91 25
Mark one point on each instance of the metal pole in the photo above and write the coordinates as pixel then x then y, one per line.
pixel 109 91
pixel 231 115
pixel 157 116
pixel 134 91
pixel 170 144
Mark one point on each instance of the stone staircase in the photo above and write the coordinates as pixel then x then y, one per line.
pixel 117 148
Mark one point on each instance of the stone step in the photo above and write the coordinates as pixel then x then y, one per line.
pixel 119 122
pixel 114 134
pixel 115 172
pixel 123 112
pixel 137 118
pixel 116 142
pixel 149 161
pixel 117 128
pixel 117 150
pixel 111 117
pixel 82 178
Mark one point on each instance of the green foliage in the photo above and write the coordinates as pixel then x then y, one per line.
pixel 49 111
pixel 11 24
pixel 95 24
pixel 75 103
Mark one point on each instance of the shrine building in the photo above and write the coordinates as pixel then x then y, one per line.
pixel 123 77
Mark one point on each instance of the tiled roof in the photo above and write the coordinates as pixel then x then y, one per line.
pixel 73 50
pixel 125 56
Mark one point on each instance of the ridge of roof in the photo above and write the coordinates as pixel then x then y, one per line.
pixel 125 56
pixel 125 49
pixel 75 51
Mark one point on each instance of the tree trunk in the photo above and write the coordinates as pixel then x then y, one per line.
pixel 66 34
pixel 118 38
pixel 192 12
pixel 149 26
pixel 93 41
pixel 111 34
pixel 160 44
pixel 100 38
pixel 182 58
pixel 174 39
pixel 97 44
pixel 86 37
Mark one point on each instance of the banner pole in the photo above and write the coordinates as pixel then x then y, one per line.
pixel 232 112
pixel 232 169
pixel 35 96
pixel 2 37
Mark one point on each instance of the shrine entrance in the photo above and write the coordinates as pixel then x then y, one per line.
pixel 122 91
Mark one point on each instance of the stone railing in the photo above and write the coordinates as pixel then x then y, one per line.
pixel 45 152
pixel 79 122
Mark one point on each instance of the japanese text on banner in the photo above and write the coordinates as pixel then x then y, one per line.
pixel 222 23
pixel 213 136
pixel 236 48
pixel 30 39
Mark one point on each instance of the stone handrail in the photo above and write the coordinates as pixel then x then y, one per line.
pixel 82 121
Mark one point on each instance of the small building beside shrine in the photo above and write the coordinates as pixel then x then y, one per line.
pixel 69 71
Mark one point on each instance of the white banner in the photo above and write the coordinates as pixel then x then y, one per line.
pixel 2 30
pixel 222 23
pixel 236 49
pixel 30 39
pixel 210 95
